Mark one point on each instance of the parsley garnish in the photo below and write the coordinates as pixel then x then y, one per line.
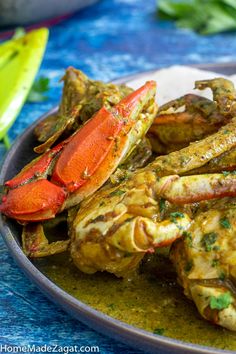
pixel 188 237
pixel 208 240
pixel 188 266
pixel 176 215
pixel 162 205
pixel 203 16
pixel 222 276
pixel 224 222
pixel 221 302
pixel 38 90
pixel 215 263
pixel 159 331
pixel 117 192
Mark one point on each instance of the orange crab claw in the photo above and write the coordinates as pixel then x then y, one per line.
pixel 36 168
pixel 81 158
pixel 92 144
pixel 33 201
pixel 83 162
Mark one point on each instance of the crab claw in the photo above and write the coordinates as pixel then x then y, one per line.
pixel 103 143
pixel 37 168
pixel 80 165
pixel 33 201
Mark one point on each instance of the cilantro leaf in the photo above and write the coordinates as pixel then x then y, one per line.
pixel 205 17
pixel 116 192
pixel 221 302
pixel 159 331
pixel 208 240
pixel 225 223
pixel 38 90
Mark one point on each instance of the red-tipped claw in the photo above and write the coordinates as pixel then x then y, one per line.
pixel 77 167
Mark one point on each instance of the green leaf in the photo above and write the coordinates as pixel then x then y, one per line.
pixel 159 331
pixel 208 240
pixel 225 223
pixel 220 20
pixel 231 3
pixel 221 302
pixel 6 142
pixel 174 9
pixel 117 192
pixel 203 16
pixel 38 90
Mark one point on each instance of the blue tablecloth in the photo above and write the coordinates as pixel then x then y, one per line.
pixel 107 40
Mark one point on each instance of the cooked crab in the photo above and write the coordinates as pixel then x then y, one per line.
pixel 192 117
pixel 81 99
pixel 205 261
pixel 78 166
pixel 114 228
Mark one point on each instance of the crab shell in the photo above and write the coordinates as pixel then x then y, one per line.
pixel 78 166
pixel 205 261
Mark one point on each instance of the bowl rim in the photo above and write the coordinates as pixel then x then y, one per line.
pixel 128 334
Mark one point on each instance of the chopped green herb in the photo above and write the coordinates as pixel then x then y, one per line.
pixel 38 90
pixel 6 142
pixel 127 254
pixel 215 263
pixel 208 240
pixel 222 276
pixel 188 237
pixel 221 302
pixel 159 331
pixel 224 222
pixel 226 173
pixel 188 266
pixel 116 192
pixel 162 205
pixel 111 306
pixel 176 215
pixel 216 248
pixel 203 16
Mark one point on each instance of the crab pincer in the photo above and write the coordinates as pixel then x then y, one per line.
pixel 77 167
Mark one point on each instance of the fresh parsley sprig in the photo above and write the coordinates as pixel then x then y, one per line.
pixel 203 16
pixel 38 90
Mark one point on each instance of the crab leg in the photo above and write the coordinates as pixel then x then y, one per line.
pixel 79 166
pixel 191 117
pixel 223 94
pixel 116 227
pixel 224 162
pixel 192 189
pixel 35 243
pixel 198 153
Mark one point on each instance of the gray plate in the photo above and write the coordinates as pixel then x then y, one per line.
pixel 17 157
pixel 21 12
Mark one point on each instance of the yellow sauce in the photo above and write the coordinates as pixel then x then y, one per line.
pixel 151 300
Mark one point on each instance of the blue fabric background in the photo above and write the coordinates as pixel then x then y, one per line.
pixel 108 40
